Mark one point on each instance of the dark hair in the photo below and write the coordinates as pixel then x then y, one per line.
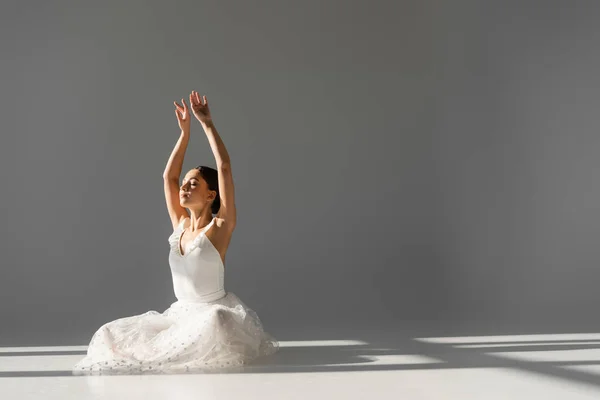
pixel 211 176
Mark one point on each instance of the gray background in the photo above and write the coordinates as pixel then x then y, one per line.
pixel 396 163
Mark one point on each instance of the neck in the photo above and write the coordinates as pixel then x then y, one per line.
pixel 199 219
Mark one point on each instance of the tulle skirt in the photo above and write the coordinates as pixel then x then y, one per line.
pixel 187 337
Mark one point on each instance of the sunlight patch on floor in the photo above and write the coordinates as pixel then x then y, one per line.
pixel 513 338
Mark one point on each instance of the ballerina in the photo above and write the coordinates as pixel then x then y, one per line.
pixel 207 328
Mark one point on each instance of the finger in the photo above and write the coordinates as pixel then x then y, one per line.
pixel 197 97
pixel 205 101
pixel 177 105
pixel 184 104
pixel 177 114
pixel 192 100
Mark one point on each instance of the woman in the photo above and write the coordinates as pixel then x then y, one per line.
pixel 207 327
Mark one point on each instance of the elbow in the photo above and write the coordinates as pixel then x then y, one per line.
pixel 224 165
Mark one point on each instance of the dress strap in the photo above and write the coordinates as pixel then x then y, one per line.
pixel 208 225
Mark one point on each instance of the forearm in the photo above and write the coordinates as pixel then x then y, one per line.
pixel 175 163
pixel 216 144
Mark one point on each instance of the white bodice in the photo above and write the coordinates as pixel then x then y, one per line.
pixel 198 274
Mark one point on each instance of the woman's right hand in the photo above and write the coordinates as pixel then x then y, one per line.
pixel 183 116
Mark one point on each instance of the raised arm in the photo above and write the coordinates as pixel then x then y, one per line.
pixel 201 111
pixel 174 165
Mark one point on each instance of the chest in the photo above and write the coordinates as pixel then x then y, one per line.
pixel 186 239
pixel 186 242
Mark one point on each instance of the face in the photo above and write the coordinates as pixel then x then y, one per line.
pixel 194 191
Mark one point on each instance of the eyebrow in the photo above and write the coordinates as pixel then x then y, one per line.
pixel 193 177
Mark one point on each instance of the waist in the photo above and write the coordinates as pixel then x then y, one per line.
pixel 204 298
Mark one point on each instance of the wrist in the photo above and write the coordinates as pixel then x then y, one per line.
pixel 207 124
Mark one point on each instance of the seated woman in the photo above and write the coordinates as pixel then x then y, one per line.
pixel 207 327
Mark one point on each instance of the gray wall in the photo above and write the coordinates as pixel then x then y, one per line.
pixel 393 161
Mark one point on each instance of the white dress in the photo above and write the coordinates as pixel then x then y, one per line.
pixel 207 328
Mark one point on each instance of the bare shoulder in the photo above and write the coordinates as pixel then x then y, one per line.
pixel 220 235
pixel 223 224
pixel 181 221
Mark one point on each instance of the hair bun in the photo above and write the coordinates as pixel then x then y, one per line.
pixel 211 176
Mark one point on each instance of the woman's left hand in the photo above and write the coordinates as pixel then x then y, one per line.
pixel 200 107
pixel 183 116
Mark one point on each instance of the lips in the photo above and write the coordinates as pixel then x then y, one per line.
pixel 184 195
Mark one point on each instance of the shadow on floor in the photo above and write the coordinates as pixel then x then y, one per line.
pixel 384 344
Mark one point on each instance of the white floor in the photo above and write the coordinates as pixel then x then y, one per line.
pixel 386 366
